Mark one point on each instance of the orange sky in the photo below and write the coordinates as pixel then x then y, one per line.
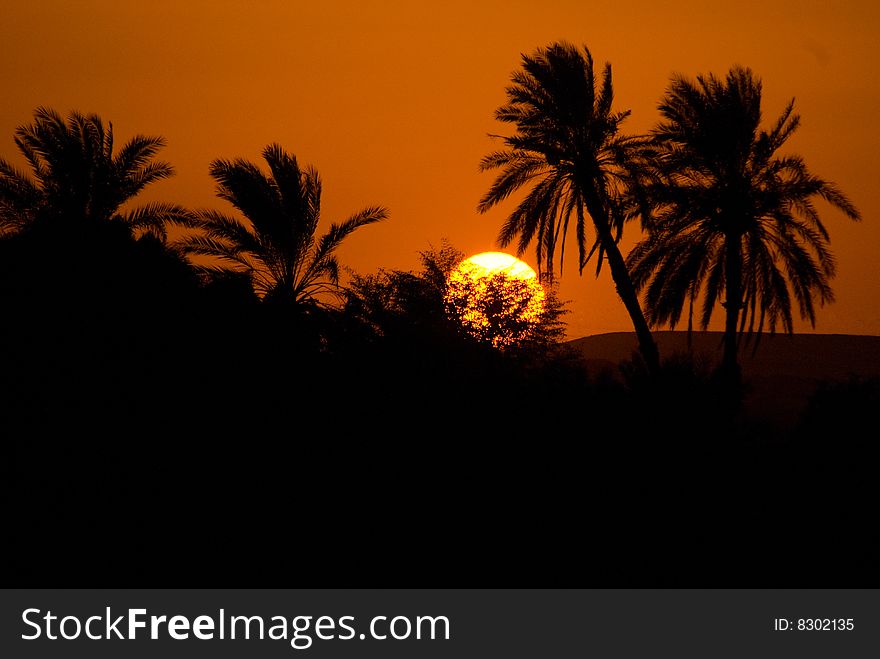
pixel 392 101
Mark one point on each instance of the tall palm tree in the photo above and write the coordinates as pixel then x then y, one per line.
pixel 733 219
pixel 275 243
pixel 76 177
pixel 569 152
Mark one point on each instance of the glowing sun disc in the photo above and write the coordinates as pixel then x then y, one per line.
pixel 496 298
pixel 494 262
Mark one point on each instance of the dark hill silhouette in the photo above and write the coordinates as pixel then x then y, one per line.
pixel 781 374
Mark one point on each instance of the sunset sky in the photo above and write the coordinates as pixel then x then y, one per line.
pixel 392 102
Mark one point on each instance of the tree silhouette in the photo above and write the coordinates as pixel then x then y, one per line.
pixel 275 245
pixel 440 300
pixel 78 179
pixel 495 308
pixel 400 303
pixel 732 219
pixel 568 150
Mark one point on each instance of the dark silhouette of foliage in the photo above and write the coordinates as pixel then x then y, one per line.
pixel 504 312
pixel 733 220
pixel 394 301
pixel 141 410
pixel 569 153
pixel 496 310
pixel 77 177
pixel 275 244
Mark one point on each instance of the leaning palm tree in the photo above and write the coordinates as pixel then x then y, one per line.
pixel 569 152
pixel 733 219
pixel 76 177
pixel 275 243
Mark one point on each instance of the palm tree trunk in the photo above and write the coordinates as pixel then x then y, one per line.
pixel 732 304
pixel 626 290
pixel 627 293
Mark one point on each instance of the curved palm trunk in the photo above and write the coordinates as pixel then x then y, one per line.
pixel 732 304
pixel 628 295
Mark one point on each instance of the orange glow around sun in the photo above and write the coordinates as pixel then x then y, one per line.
pixel 497 298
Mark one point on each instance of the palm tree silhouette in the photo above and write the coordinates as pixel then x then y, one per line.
pixel 78 179
pixel 275 245
pixel 568 149
pixel 732 219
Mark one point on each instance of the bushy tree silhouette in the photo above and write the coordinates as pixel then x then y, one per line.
pixel 498 311
pixel 401 303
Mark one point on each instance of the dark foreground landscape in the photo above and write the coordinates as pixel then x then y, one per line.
pixel 163 432
pixel 784 373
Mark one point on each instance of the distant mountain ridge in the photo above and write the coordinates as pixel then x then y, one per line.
pixel 782 373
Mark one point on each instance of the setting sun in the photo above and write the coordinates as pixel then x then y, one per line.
pixel 496 297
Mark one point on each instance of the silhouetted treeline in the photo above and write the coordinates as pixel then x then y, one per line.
pixel 163 430
pixel 168 423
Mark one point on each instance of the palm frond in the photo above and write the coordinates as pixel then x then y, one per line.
pixel 323 261
pixel 224 227
pixel 159 215
pixel 137 154
pixel 243 185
